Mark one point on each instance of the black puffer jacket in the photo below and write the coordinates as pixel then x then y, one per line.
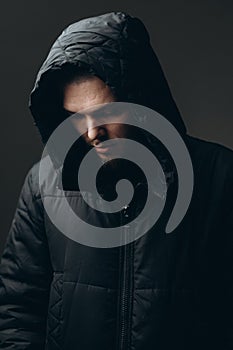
pixel 159 292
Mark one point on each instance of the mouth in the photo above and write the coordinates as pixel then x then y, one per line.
pixel 100 148
pixel 103 149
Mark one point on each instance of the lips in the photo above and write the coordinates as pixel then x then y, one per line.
pixel 103 149
pixel 100 148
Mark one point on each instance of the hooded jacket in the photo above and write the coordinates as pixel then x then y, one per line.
pixel 159 291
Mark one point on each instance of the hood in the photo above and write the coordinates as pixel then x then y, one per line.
pixel 114 47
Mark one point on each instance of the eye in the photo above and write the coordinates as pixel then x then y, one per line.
pixel 68 113
pixel 107 111
pixel 102 113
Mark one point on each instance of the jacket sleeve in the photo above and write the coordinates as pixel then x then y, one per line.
pixel 25 276
pixel 227 273
pixel 223 291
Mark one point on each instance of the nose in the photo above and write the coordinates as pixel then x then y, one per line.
pixel 93 132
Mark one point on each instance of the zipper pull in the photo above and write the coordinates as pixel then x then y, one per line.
pixel 126 211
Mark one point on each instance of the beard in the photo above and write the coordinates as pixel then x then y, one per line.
pixel 112 168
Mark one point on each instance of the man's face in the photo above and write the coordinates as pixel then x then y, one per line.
pixel 89 98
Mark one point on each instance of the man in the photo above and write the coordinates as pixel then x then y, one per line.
pixel 158 291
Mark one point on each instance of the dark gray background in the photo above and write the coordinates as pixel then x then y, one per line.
pixel 193 40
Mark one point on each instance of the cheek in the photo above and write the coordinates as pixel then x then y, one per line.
pixel 126 132
pixel 114 131
pixel 118 131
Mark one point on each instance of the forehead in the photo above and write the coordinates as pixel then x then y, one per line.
pixel 85 94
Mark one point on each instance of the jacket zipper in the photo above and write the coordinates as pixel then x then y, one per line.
pixel 126 288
